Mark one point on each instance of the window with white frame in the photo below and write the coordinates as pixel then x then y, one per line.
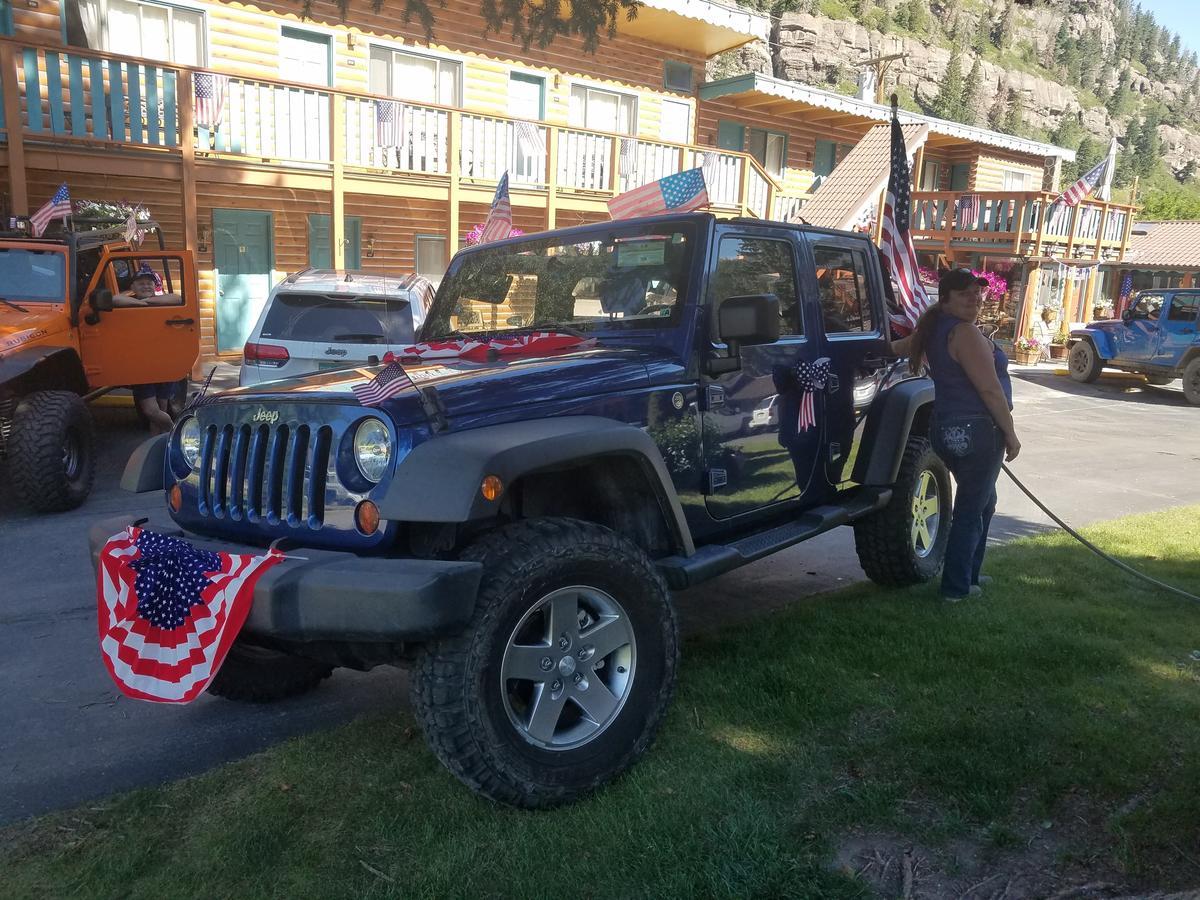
pixel 431 256
pixel 600 110
pixel 415 76
pixel 135 28
pixel 1017 180
pixel 676 125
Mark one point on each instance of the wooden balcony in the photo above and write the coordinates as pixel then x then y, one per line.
pixel 140 114
pixel 1022 224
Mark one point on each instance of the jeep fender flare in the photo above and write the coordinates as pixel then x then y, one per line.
pixel 439 480
pixel 891 419
pixel 42 368
pixel 1101 342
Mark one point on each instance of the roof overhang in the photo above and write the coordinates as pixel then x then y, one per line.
pixel 701 26
pixel 764 92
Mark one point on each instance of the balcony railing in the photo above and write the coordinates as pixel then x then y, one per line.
pixel 1028 221
pixel 95 98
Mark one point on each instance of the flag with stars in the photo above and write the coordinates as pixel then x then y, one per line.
pixel 209 100
pixel 498 224
pixel 677 193
pixel 390 381
pixel 57 207
pixel 169 612
pixel 896 244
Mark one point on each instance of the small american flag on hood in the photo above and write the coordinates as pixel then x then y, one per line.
pixel 388 382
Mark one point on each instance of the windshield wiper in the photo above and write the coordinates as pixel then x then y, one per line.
pixel 15 306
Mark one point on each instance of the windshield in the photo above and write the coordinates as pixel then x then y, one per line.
pixel 339 320
pixel 36 276
pixel 616 277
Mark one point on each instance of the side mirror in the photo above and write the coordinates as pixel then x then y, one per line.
pixel 1127 316
pixel 748 320
pixel 101 300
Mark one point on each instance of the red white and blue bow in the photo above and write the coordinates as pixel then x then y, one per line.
pixel 168 613
pixel 810 377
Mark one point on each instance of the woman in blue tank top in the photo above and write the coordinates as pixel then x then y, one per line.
pixel 972 426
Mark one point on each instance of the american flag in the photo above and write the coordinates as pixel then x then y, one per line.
pixel 202 397
pixel 168 613
pixel 676 193
pixel 1125 292
pixel 209 90
pixel 896 241
pixel 57 207
pixel 133 234
pixel 967 211
pixel 627 158
pixel 1085 186
pixel 389 122
pixel 498 224
pixel 390 381
pixel 529 136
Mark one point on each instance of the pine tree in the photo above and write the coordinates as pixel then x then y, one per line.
pixel 1127 164
pixel 1118 103
pixel 1014 118
pixel 1007 27
pixel 948 102
pixel 1069 132
pixel 999 110
pixel 1173 50
pixel 1062 41
pixel 982 39
pixel 917 16
pixel 1090 50
pixel 1149 146
pixel 862 7
pixel 969 105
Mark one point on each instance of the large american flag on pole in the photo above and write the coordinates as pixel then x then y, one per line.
pixel 1085 186
pixel 677 193
pixel 57 207
pixel 209 98
pixel 168 612
pixel 896 241
pixel 498 224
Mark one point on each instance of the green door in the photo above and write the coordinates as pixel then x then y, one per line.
pixel 242 244
pixel 319 255
pixel 730 135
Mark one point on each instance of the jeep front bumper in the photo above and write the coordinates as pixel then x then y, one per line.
pixel 324 595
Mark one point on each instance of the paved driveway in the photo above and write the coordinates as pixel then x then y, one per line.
pixel 67 736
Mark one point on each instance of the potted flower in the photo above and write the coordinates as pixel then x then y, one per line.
pixel 1058 346
pixel 1027 350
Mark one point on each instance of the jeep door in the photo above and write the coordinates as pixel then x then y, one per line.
pixel 141 344
pixel 1138 339
pixel 845 281
pixel 752 470
pixel 1177 328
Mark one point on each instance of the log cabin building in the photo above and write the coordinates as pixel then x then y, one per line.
pixel 268 137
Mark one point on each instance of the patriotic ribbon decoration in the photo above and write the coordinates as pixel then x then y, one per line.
pixel 168 613
pixel 531 344
pixel 809 378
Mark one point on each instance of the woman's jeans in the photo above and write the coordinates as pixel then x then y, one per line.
pixel 972 448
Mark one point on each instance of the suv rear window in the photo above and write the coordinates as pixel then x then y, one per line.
pixel 339 319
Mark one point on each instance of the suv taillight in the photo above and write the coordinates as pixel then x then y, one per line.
pixel 265 355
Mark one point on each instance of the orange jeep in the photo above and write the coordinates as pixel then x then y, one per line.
pixel 63 343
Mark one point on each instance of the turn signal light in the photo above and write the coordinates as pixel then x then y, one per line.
pixel 176 498
pixel 491 488
pixel 366 517
pixel 265 355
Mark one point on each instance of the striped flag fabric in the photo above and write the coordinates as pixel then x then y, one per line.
pixel 498 224
pixel 529 136
pixel 133 234
pixel 388 382
pixel 57 207
pixel 389 122
pixel 967 211
pixel 627 157
pixel 208 98
pixel 1085 186
pixel 896 241
pixel 678 193
pixel 169 612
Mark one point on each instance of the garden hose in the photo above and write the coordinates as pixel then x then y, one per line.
pixel 1105 556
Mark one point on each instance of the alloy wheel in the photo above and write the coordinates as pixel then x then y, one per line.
pixel 926 514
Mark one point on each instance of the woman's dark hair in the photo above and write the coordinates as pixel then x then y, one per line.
pixel 920 338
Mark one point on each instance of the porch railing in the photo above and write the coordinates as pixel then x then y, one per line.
pixel 95 98
pixel 1029 221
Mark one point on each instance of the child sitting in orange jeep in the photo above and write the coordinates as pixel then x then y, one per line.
pixel 152 399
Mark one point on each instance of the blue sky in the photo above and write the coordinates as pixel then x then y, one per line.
pixel 1178 15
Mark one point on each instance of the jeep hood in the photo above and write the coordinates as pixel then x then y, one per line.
pixel 20 329
pixel 468 389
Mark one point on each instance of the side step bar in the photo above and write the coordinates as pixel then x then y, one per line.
pixel 712 560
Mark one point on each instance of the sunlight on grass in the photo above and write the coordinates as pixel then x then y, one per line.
pixel 746 740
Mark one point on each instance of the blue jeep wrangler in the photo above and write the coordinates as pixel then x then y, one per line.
pixel 1155 337
pixel 512 527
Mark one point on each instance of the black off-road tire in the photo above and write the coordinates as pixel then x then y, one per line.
pixel 253 674
pixel 884 540
pixel 52 451
pixel 458 693
pixel 1084 363
pixel 1191 382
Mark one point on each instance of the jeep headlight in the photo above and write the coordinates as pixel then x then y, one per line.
pixel 189 441
pixel 372 449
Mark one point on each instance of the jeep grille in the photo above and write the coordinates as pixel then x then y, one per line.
pixel 262 473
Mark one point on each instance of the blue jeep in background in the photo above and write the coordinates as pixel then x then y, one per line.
pixel 512 526
pixel 1156 337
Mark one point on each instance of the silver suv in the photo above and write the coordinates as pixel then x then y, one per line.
pixel 321 319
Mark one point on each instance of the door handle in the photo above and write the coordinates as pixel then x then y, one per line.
pixel 180 322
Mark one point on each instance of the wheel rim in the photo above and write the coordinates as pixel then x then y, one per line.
pixel 568 668
pixel 1193 382
pixel 72 455
pixel 926 514
pixel 1080 361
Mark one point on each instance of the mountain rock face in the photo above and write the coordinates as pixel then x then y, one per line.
pixel 825 52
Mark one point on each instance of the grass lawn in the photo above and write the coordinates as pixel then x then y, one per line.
pixel 1044 737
